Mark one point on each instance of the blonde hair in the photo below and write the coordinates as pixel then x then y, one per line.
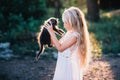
pixel 75 17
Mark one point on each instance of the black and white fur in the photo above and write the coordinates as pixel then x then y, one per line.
pixel 44 38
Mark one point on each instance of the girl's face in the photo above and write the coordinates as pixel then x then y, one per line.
pixel 67 26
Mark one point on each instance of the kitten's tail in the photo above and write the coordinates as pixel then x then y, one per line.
pixel 40 52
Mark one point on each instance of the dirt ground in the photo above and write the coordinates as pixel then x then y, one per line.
pixel 107 68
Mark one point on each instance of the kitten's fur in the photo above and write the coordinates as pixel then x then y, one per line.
pixel 44 36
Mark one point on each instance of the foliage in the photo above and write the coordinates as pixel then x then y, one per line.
pixel 78 3
pixel 19 17
pixel 107 34
pixel 25 48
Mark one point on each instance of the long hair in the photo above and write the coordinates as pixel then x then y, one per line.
pixel 75 17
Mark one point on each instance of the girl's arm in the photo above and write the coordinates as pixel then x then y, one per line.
pixel 65 44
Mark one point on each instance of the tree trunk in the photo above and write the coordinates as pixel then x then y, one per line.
pixel 57 5
pixel 93 10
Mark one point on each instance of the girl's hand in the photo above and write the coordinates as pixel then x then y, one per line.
pixel 49 27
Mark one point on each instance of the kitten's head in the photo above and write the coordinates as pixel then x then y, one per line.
pixel 53 21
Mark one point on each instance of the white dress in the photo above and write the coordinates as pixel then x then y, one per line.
pixel 68 67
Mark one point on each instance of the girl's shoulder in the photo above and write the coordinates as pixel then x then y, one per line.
pixel 69 35
pixel 75 33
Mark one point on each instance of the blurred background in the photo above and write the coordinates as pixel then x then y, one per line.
pixel 20 22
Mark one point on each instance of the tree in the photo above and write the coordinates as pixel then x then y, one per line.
pixel 56 4
pixel 93 10
pixel 18 17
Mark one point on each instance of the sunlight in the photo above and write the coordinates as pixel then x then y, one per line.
pixel 112 13
pixel 99 70
pixel 95 46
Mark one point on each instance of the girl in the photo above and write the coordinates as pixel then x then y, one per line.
pixel 73 47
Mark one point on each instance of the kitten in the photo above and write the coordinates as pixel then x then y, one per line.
pixel 44 36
